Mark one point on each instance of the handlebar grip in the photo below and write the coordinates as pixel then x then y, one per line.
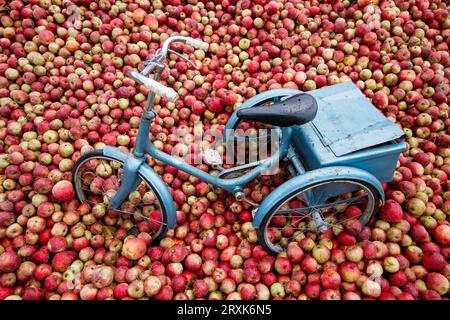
pixel 197 44
pixel 154 86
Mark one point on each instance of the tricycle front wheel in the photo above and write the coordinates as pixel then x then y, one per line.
pixel 333 203
pixel 97 177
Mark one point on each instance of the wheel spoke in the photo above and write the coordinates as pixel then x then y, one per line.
pixel 87 190
pixel 304 230
pixel 322 206
pixel 290 227
pixel 341 222
pixel 297 217
pixel 92 202
pixel 140 215
pixel 141 205
pixel 287 211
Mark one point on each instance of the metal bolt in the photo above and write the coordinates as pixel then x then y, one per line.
pixel 239 195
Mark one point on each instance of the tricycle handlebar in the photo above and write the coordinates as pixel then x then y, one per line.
pixel 156 62
pixel 154 86
pixel 198 44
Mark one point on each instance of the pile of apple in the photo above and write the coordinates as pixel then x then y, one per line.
pixel 64 91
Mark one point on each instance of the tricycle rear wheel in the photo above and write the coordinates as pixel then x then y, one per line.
pixel 333 203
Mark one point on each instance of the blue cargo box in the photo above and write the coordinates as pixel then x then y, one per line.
pixel 349 130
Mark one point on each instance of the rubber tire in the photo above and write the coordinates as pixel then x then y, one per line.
pixel 99 153
pixel 262 227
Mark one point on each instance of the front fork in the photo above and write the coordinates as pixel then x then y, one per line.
pixel 130 178
pixel 129 181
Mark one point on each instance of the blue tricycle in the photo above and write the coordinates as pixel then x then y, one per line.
pixel 339 147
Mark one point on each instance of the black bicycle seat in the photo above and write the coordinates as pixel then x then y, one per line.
pixel 298 109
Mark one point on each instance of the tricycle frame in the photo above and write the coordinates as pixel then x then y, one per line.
pixel 234 185
pixel 144 145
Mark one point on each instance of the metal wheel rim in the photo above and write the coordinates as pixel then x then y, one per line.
pixel 364 216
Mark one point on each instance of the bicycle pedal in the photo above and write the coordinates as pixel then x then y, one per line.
pixel 212 157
